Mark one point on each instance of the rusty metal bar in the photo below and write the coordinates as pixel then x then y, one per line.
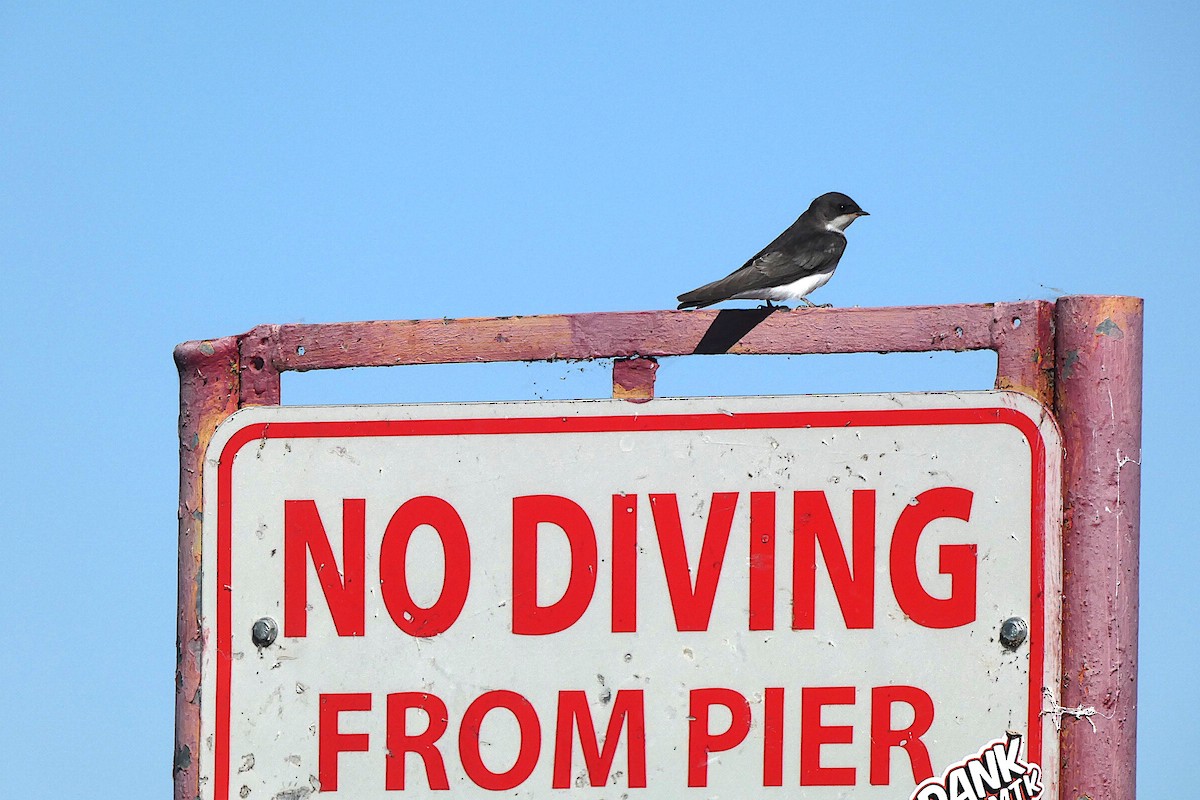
pixel 650 333
pixel 1020 333
pixel 208 393
pixel 1099 408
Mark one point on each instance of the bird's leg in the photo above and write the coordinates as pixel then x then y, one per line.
pixel 808 303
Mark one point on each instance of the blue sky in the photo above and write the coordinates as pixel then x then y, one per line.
pixel 171 173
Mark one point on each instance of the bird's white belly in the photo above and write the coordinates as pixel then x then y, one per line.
pixel 796 290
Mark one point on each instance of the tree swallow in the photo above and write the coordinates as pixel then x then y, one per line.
pixel 801 259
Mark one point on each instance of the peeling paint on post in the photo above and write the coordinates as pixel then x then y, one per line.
pixel 1099 408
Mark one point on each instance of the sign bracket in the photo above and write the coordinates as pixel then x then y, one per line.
pixel 1080 356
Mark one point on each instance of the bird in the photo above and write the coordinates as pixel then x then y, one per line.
pixel 801 259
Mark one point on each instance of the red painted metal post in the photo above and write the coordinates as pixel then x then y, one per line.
pixel 208 393
pixel 1099 407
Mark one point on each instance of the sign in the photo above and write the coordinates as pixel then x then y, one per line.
pixel 693 598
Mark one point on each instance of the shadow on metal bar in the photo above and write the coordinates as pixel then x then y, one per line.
pixel 729 328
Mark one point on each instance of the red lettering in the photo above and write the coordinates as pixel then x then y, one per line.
pixel 701 741
pixel 855 592
pixel 884 737
pixel 424 744
pixel 692 604
pixel 773 737
pixel 303 533
pixel 330 741
pixel 813 734
pixel 530 740
pixel 573 713
pixel 528 617
pixel 955 560
pixel 762 561
pixel 409 617
pixel 624 563
pixel 891 728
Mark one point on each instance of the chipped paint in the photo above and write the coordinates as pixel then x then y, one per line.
pixel 183 758
pixel 1070 359
pixel 298 793
pixel 1109 328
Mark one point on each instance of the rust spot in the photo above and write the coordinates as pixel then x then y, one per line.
pixel 1069 363
pixel 183 758
pixel 1110 328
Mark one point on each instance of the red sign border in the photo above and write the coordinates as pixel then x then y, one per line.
pixel 708 421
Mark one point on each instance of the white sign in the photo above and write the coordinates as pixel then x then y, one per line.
pixel 723 597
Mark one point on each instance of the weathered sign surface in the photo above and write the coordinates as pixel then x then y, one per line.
pixel 725 597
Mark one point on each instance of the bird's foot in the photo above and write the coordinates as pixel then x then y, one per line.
pixel 824 305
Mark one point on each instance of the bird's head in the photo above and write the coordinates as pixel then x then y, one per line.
pixel 835 211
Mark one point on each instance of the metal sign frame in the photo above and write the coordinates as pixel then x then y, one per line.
pixel 1080 356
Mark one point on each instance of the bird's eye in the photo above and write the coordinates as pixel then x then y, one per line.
pixel 843 207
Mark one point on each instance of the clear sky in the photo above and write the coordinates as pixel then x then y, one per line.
pixel 175 172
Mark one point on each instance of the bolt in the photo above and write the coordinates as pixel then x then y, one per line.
pixel 1013 632
pixel 264 632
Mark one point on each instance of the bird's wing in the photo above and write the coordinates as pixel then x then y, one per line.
pixel 772 267
pixel 783 262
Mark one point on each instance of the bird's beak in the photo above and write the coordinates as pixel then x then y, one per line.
pixel 862 214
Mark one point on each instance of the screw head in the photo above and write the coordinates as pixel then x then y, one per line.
pixel 264 632
pixel 1013 632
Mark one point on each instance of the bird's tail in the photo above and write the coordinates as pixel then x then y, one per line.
pixel 706 295
pixel 687 301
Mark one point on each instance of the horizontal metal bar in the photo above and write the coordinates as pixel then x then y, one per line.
pixel 985 326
